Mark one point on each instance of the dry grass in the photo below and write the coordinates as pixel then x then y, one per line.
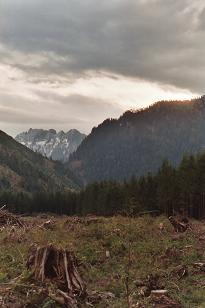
pixel 115 252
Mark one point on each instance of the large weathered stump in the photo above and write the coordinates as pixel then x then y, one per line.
pixel 60 268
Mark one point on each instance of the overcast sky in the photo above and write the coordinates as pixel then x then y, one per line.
pixel 72 63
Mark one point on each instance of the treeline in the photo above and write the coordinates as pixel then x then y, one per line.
pixel 170 189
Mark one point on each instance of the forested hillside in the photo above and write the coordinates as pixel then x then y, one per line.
pixel 138 142
pixel 170 190
pixel 23 170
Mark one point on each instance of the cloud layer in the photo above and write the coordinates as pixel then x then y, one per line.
pixel 64 55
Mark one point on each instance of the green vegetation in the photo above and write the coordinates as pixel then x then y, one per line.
pixel 137 248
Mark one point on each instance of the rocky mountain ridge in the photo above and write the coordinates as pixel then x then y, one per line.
pixel 54 145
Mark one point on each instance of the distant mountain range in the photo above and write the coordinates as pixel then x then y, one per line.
pixel 23 170
pixel 138 142
pixel 49 143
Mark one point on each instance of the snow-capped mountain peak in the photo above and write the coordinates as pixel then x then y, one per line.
pixel 52 144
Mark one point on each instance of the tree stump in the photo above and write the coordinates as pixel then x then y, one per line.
pixel 60 268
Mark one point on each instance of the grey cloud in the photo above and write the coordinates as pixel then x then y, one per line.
pixel 81 104
pixel 54 111
pixel 9 115
pixel 156 40
pixel 92 110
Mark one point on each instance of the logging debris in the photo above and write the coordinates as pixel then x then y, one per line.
pixel 74 221
pixel 180 271
pixel 9 219
pixel 49 225
pixel 150 283
pixel 14 234
pixel 180 225
pixel 200 266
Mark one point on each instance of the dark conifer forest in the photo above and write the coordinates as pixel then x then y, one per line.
pixel 139 141
pixel 170 190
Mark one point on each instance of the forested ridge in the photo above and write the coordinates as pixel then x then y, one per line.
pixel 139 141
pixel 23 170
pixel 170 189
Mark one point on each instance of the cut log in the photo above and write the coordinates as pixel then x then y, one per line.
pixel 159 292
